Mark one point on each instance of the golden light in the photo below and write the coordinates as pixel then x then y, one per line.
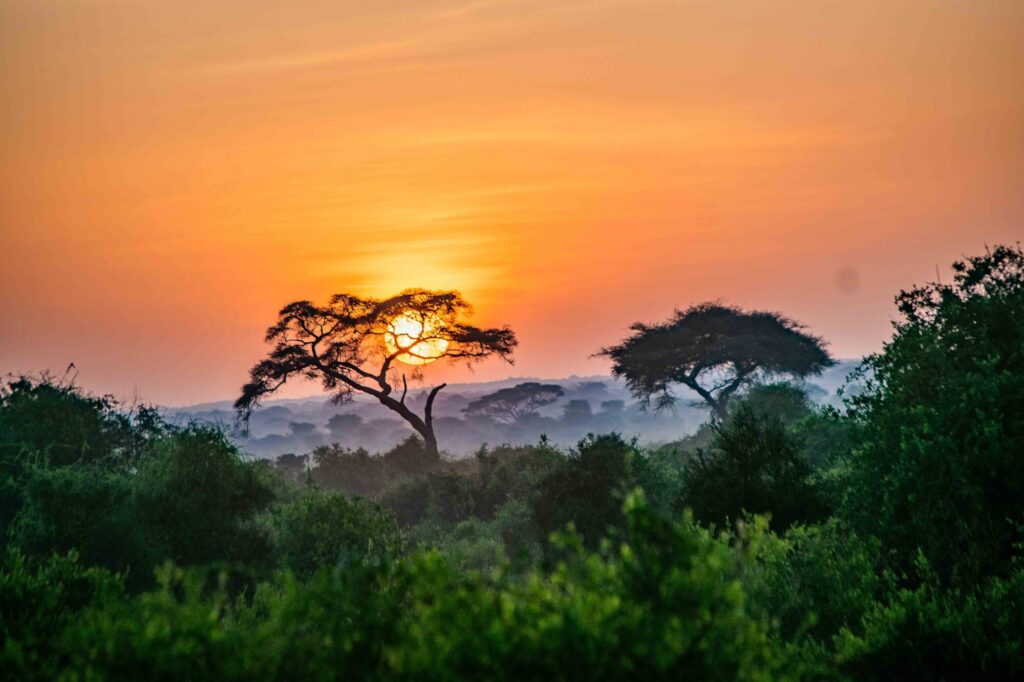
pixel 414 335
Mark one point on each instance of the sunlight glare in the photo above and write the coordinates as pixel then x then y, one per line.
pixel 413 334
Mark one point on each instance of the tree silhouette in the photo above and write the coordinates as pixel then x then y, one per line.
pixel 753 465
pixel 509 405
pixel 715 350
pixel 577 411
pixel 359 344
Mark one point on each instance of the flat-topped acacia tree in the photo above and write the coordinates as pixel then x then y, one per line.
pixel 715 350
pixel 511 404
pixel 356 344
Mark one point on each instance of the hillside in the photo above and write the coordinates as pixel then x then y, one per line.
pixel 589 404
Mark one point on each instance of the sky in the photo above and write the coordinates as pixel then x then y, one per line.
pixel 174 172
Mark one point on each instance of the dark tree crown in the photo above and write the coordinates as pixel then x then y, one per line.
pixel 715 350
pixel 998 273
pixel 511 404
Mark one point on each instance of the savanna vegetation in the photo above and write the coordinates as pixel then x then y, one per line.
pixel 783 541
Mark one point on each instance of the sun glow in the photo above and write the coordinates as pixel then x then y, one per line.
pixel 413 336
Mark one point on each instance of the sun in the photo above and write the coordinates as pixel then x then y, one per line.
pixel 415 335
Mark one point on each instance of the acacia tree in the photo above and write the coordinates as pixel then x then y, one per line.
pixel 715 350
pixel 356 344
pixel 509 405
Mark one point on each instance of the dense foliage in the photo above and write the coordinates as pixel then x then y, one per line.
pixel 938 469
pixel 783 541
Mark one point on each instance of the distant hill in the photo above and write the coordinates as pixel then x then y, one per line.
pixel 298 425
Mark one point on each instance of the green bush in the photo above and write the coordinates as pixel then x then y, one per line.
pixel 927 633
pixel 811 581
pixel 752 466
pixel 355 472
pixel 472 545
pixel 89 510
pixel 327 529
pixel 511 473
pixel 179 631
pixel 70 426
pixel 37 601
pixel 782 401
pixel 656 607
pixel 936 465
pixel 441 496
pixel 197 500
pixel 587 489
pixel 510 539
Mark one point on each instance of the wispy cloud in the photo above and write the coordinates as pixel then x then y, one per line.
pixel 356 54
pixel 459 10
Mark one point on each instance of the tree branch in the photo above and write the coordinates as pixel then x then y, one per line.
pixel 428 411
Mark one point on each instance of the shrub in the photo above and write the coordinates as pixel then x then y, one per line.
pixel 655 608
pixel 936 466
pixel 811 581
pixel 587 489
pixel 753 466
pixel 37 601
pixel 327 529
pixel 928 633
pixel 179 631
pixel 70 426
pixel 511 473
pixel 87 509
pixel 197 499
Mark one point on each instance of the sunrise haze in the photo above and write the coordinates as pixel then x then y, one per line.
pixel 173 173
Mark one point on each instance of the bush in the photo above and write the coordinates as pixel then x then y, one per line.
pixel 89 510
pixel 327 529
pixel 445 497
pixel 180 631
pixel 481 545
pixel 936 466
pixel 927 633
pixel 659 472
pixel 655 608
pixel 197 499
pixel 511 473
pixel 587 489
pixel 782 401
pixel 68 425
pixel 753 466
pixel 812 581
pixel 472 545
pixel 355 472
pixel 37 601
pixel 408 459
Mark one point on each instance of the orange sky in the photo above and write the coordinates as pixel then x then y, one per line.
pixel 173 172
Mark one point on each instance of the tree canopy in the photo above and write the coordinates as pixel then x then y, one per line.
pixel 754 466
pixel 937 469
pixel 509 405
pixel 356 344
pixel 715 350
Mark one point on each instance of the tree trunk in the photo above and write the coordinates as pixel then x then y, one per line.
pixel 430 442
pixel 423 426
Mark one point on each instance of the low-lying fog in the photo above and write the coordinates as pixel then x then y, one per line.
pixel 589 405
